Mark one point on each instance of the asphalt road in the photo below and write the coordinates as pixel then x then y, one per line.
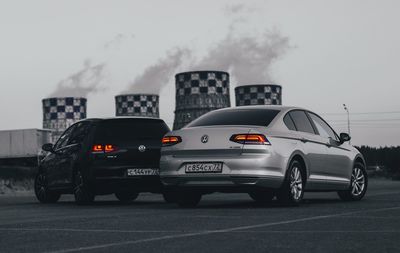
pixel 221 223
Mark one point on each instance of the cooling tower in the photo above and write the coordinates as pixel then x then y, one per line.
pixel 198 92
pixel 258 94
pixel 61 112
pixel 145 105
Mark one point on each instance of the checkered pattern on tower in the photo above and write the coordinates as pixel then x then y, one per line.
pixel 61 112
pixel 258 94
pixel 144 105
pixel 199 92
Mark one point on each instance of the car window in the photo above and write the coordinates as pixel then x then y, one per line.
pixel 63 140
pixel 302 122
pixel 289 122
pixel 323 128
pixel 80 132
pixel 123 130
pixel 256 117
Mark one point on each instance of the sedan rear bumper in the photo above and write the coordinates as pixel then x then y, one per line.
pixel 222 183
pixel 239 173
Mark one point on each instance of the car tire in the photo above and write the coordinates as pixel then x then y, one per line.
pixel 358 184
pixel 170 196
pixel 42 192
pixel 188 199
pixel 126 197
pixel 292 190
pixel 262 196
pixel 82 192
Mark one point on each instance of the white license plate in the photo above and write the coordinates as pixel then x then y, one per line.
pixel 143 172
pixel 203 167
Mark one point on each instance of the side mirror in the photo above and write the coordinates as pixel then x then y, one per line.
pixel 48 147
pixel 344 137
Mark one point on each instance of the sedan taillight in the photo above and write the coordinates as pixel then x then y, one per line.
pixel 170 140
pixel 257 139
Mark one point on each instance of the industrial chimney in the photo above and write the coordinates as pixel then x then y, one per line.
pixel 258 94
pixel 61 112
pixel 198 92
pixel 144 105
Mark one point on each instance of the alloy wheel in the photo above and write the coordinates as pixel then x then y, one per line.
pixel 357 182
pixel 40 186
pixel 78 184
pixel 42 192
pixel 82 192
pixel 296 183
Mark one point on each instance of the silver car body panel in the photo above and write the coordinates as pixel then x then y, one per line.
pixel 328 163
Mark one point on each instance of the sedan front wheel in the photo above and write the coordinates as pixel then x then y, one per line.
pixel 358 184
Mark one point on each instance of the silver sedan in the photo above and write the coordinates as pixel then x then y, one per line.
pixel 265 151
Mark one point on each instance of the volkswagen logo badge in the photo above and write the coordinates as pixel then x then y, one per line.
pixel 204 138
pixel 142 148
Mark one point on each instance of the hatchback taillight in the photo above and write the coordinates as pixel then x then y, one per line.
pixel 170 140
pixel 106 148
pixel 97 148
pixel 257 139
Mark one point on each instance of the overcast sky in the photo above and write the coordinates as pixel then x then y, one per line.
pixel 331 52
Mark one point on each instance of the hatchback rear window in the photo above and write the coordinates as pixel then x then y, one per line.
pixel 256 117
pixel 130 129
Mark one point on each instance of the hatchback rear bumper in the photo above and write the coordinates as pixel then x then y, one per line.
pixel 108 180
pixel 132 184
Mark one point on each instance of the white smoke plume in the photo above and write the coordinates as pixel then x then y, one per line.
pixel 238 11
pixel 81 83
pixel 248 58
pixel 118 40
pixel 156 76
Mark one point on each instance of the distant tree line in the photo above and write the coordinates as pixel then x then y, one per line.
pixel 388 157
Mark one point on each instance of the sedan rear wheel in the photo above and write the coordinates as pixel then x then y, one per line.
pixel 188 199
pixel 358 184
pixel 42 192
pixel 292 191
pixel 83 194
pixel 126 197
pixel 262 196
pixel 170 196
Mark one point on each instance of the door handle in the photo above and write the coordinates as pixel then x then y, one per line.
pixel 303 140
pixel 328 145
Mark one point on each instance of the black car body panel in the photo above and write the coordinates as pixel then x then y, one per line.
pixel 136 142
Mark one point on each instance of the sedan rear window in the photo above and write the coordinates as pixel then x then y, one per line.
pixel 256 117
pixel 289 122
pixel 301 121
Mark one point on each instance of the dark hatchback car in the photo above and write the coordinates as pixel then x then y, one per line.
pixel 103 156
